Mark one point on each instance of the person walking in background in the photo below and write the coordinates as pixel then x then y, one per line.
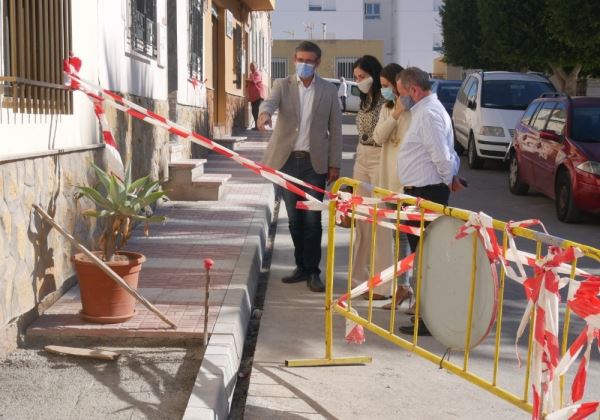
pixel 367 70
pixel 307 144
pixel 394 119
pixel 256 91
pixel 427 163
pixel 343 93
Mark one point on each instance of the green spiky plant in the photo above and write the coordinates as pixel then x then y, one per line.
pixel 121 202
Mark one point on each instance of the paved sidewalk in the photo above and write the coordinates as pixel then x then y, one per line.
pixel 233 232
pixel 397 384
pixel 173 277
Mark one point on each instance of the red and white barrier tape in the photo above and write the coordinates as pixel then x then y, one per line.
pixel 72 65
pixel 543 297
pixel 348 204
pixel 286 181
pixel 586 304
pixel 355 333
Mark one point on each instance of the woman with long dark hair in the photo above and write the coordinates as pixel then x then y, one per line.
pixel 367 71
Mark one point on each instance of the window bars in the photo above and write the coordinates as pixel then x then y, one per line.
pixel 143 27
pixel 196 39
pixel 36 37
pixel 279 67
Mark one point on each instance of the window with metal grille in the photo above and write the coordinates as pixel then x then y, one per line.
pixel 279 67
pixel 372 11
pixel 238 55
pixel 143 27
pixel 343 67
pixel 196 38
pixel 35 39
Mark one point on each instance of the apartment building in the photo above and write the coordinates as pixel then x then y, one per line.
pixel 185 60
pixel 408 30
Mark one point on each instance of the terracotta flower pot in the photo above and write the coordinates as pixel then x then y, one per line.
pixel 103 300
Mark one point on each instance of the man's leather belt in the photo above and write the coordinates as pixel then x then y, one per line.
pixel 300 154
pixel 410 188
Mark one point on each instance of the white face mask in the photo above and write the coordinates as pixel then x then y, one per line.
pixel 365 85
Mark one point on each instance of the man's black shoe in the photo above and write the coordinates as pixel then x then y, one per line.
pixel 297 276
pixel 409 329
pixel 315 284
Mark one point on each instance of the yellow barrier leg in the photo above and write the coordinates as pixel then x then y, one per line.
pixel 471 302
pixel 329 360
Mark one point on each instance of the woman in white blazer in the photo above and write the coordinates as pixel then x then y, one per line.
pixel 394 119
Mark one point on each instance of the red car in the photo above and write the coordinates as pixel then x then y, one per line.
pixel 556 150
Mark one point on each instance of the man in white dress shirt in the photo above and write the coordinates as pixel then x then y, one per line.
pixel 427 163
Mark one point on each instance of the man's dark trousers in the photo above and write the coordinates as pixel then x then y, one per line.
pixel 438 193
pixel 255 107
pixel 305 225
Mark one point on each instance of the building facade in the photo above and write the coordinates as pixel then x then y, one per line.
pixel 185 60
pixel 338 56
pixel 409 29
pixel 318 19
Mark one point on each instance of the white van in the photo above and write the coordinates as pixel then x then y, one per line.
pixel 488 106
pixel 353 98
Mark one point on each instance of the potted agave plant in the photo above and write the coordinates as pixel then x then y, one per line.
pixel 122 203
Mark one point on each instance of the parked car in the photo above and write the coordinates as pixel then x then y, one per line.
pixel 556 150
pixel 353 99
pixel 487 108
pixel 446 91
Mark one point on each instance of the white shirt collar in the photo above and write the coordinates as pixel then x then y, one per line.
pixel 312 82
pixel 423 102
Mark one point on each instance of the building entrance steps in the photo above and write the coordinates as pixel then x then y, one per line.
pixel 232 232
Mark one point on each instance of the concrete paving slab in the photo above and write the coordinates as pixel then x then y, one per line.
pixel 398 384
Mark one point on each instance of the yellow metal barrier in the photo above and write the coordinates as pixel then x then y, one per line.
pixel 413 346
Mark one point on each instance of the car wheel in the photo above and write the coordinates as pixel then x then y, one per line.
pixel 565 207
pixel 475 162
pixel 515 184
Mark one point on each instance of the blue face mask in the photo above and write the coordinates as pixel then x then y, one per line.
pixel 305 70
pixel 407 102
pixel 388 93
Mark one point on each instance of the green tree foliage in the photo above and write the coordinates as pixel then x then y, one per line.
pixel 513 34
pixel 560 35
pixel 574 28
pixel 461 33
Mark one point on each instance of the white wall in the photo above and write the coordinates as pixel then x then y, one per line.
pixel 414 33
pixel 186 93
pixel 382 28
pixel 408 29
pixel 125 71
pixel 29 133
pixel 346 22
pixel 260 43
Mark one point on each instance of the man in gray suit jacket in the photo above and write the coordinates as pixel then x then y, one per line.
pixel 307 144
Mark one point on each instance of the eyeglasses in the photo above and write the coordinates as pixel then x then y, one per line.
pixel 301 60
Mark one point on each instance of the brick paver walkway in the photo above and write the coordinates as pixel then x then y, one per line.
pixel 173 277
